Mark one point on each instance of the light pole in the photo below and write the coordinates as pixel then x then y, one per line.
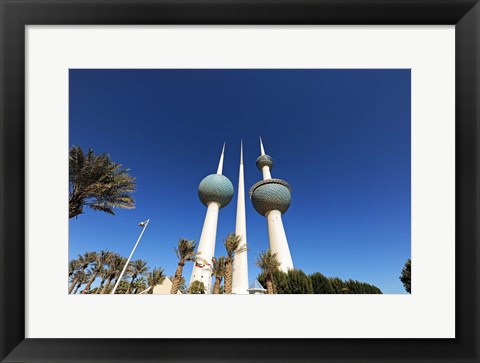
pixel 144 225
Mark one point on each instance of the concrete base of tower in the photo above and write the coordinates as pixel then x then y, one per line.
pixel 278 240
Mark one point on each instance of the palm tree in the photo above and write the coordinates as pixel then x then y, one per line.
pixel 219 273
pixel 83 262
pixel 196 287
pixel 185 252
pixel 233 247
pixel 100 260
pixel 97 182
pixel 136 268
pixel 115 266
pixel 83 277
pixel 104 274
pixel 154 278
pixel 73 265
pixel 139 285
pixel 269 264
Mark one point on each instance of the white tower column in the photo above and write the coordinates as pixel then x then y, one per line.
pixel 215 191
pixel 206 247
pixel 240 262
pixel 278 240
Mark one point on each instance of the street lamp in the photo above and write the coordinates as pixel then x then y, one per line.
pixel 141 224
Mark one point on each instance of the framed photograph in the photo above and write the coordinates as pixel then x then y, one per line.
pixel 239 181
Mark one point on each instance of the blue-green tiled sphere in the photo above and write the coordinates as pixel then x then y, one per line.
pixel 263 160
pixel 215 188
pixel 271 194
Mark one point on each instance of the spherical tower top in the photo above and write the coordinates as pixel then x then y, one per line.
pixel 271 194
pixel 264 160
pixel 215 188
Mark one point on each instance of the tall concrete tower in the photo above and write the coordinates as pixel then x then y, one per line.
pixel 271 198
pixel 215 191
pixel 240 262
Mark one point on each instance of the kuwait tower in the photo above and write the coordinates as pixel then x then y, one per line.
pixel 271 198
pixel 240 263
pixel 215 192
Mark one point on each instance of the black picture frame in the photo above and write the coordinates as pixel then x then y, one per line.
pixel 16 14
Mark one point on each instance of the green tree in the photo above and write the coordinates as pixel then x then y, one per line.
pixel 136 268
pixel 269 264
pixel 339 286
pixel 139 285
pixel 196 287
pixel 279 281
pixel 97 182
pixel 122 287
pixel 219 273
pixel 185 252
pixel 154 278
pixel 298 282
pixel 358 287
pixel 321 284
pixel 406 276
pixel 233 246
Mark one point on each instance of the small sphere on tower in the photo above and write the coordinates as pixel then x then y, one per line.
pixel 264 160
pixel 215 188
pixel 271 194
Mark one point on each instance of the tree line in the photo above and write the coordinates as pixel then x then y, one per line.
pixel 295 281
pixel 107 266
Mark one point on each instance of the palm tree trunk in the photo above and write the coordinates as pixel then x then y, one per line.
pixel 216 285
pixel 90 282
pixel 177 278
pixel 228 276
pixel 151 290
pixel 269 286
pixel 100 287
pixel 78 286
pixel 131 284
pixel 104 291
pixel 70 289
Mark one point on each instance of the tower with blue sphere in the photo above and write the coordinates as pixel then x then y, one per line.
pixel 215 192
pixel 271 198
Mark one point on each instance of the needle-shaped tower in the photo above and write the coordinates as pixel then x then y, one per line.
pixel 240 262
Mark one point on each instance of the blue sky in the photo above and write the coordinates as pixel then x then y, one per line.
pixel 341 138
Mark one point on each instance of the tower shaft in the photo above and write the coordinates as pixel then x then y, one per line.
pixel 278 240
pixel 266 173
pixel 202 269
pixel 240 262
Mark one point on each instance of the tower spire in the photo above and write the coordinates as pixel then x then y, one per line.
pixel 262 150
pixel 240 263
pixel 241 152
pixel 220 163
